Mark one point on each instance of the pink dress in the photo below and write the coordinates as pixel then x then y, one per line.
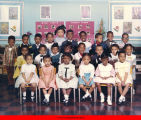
pixel 46 74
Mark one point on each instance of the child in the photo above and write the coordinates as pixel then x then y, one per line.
pixel 50 40
pixel 87 71
pixel 99 41
pixel 35 47
pixel 10 54
pixel 55 55
pixel 25 39
pixel 125 39
pixel 47 79
pixel 79 54
pixel 123 75
pixel 110 40
pixel 60 31
pixel 114 54
pixel 67 49
pixel 96 59
pixel 39 58
pixel 20 61
pixel 28 76
pixel 70 39
pixel 66 78
pixel 105 74
pixel 83 39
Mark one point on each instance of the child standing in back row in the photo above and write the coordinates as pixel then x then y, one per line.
pixel 10 54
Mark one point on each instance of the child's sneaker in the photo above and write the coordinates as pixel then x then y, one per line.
pixel 102 97
pixel 32 99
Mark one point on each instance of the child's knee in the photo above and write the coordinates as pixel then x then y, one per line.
pixel 81 86
pixel 34 85
pixel 23 85
pixel 98 84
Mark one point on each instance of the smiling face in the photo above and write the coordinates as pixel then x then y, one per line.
pixel 86 60
pixel 69 35
pixel 50 38
pixel 99 38
pixel 42 50
pixel 125 38
pixel 129 50
pixel 105 61
pixel 24 51
pixel 114 50
pixel 55 50
pixel 29 60
pixel 81 49
pixel 66 60
pixel 99 50
pixel 110 37
pixel 83 37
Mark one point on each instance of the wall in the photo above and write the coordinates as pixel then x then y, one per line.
pixel 63 10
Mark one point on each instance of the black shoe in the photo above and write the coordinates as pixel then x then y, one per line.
pixel 89 98
pixel 120 103
pixel 66 103
pixel 45 102
pixel 83 99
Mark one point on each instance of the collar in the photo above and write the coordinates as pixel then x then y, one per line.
pixel 54 54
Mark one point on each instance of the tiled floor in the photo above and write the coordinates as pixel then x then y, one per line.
pixel 9 105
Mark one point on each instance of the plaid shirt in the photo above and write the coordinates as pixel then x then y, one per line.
pixel 10 54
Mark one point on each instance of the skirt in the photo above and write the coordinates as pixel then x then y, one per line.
pixel 71 84
pixel 87 77
pixel 109 80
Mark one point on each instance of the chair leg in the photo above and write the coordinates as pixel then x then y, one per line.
pixel 111 93
pixel 115 94
pixel 131 94
pixel 95 94
pixel 36 96
pixel 74 94
pixel 59 94
pixel 20 95
pixel 79 93
pixel 39 95
pixel 54 95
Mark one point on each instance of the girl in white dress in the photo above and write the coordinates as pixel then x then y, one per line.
pixel 87 71
pixel 123 75
pixel 105 73
pixel 28 76
pixel 66 78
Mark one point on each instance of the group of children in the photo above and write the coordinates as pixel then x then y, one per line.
pixel 65 63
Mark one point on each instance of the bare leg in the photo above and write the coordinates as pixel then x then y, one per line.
pixel 83 88
pixel 23 87
pixel 68 91
pixel 99 87
pixel 125 89
pixel 120 88
pixel 91 88
pixel 109 89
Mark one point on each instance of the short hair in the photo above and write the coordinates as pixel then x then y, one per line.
pixel 25 35
pixel 86 54
pixel 70 31
pixel 82 32
pixel 38 35
pixel 55 45
pixel 42 46
pixel 11 37
pixel 81 44
pixel 68 44
pixel 46 57
pixel 127 45
pixel 49 33
pixel 120 52
pixel 24 46
pixel 28 56
pixel 62 27
pixel 99 46
pixel 67 54
pixel 98 34
pixel 110 32
pixel 114 45
pixel 125 34
pixel 104 56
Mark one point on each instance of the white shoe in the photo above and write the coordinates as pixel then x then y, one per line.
pixel 123 99
pixel 102 98
pixel 109 101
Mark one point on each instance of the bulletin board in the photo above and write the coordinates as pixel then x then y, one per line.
pixel 11 19
pixel 78 26
pixel 44 27
pixel 125 17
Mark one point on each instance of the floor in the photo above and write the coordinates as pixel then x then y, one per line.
pixel 9 105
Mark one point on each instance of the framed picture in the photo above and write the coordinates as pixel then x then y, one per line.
pixel 85 11
pixel 45 11
pixel 13 13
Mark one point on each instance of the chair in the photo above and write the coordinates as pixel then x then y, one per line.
pixel 131 88
pixel 105 85
pixel 27 86
pixel 40 90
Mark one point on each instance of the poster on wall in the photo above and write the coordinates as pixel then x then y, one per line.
pixel 78 26
pixel 11 20
pixel 45 11
pixel 44 27
pixel 85 11
pixel 125 18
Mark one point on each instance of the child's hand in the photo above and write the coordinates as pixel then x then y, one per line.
pixel 122 83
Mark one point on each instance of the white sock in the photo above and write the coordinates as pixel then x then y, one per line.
pixel 32 93
pixel 109 98
pixel 101 94
pixel 47 97
pixel 24 95
pixel 66 97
